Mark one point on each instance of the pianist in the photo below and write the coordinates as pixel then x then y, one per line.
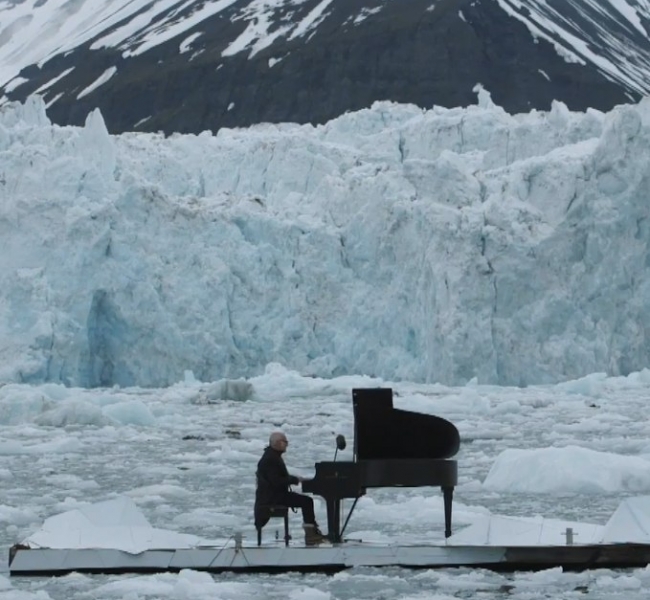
pixel 273 481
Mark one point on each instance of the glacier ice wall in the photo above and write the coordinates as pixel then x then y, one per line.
pixel 438 245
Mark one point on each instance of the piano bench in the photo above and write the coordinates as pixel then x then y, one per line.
pixel 280 512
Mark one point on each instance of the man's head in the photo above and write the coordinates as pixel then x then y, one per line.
pixel 278 441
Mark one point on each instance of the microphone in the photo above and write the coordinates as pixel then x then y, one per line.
pixel 340 444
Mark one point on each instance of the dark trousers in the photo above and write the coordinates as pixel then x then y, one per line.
pixel 305 503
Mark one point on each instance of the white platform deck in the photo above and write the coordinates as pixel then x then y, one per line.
pixel 45 561
pixel 114 537
pixel 299 558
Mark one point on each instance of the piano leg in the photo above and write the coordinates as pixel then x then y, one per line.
pixel 334 521
pixel 448 495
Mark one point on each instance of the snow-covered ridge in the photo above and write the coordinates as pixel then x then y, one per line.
pixel 435 245
pixel 32 31
pixel 594 31
pixel 610 34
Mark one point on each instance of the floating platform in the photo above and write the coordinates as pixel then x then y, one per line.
pixel 114 537
pixel 49 562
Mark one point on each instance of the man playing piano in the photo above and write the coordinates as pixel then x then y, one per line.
pixel 273 481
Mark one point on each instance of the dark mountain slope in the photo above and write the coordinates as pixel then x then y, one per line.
pixel 414 51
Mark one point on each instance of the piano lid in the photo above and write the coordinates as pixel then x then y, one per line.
pixel 384 432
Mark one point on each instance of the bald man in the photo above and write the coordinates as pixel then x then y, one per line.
pixel 273 481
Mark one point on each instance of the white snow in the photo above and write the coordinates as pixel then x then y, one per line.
pixel 630 522
pixel 568 469
pixel 575 42
pixel 51 82
pixel 33 31
pixel 101 80
pixel 315 16
pixel 186 44
pixel 258 35
pixel 498 530
pixel 160 32
pixel 116 524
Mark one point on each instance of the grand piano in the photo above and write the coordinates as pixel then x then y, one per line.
pixel 392 448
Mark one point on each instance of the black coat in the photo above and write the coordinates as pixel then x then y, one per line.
pixel 273 479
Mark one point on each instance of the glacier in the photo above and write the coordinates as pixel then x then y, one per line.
pixel 440 245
